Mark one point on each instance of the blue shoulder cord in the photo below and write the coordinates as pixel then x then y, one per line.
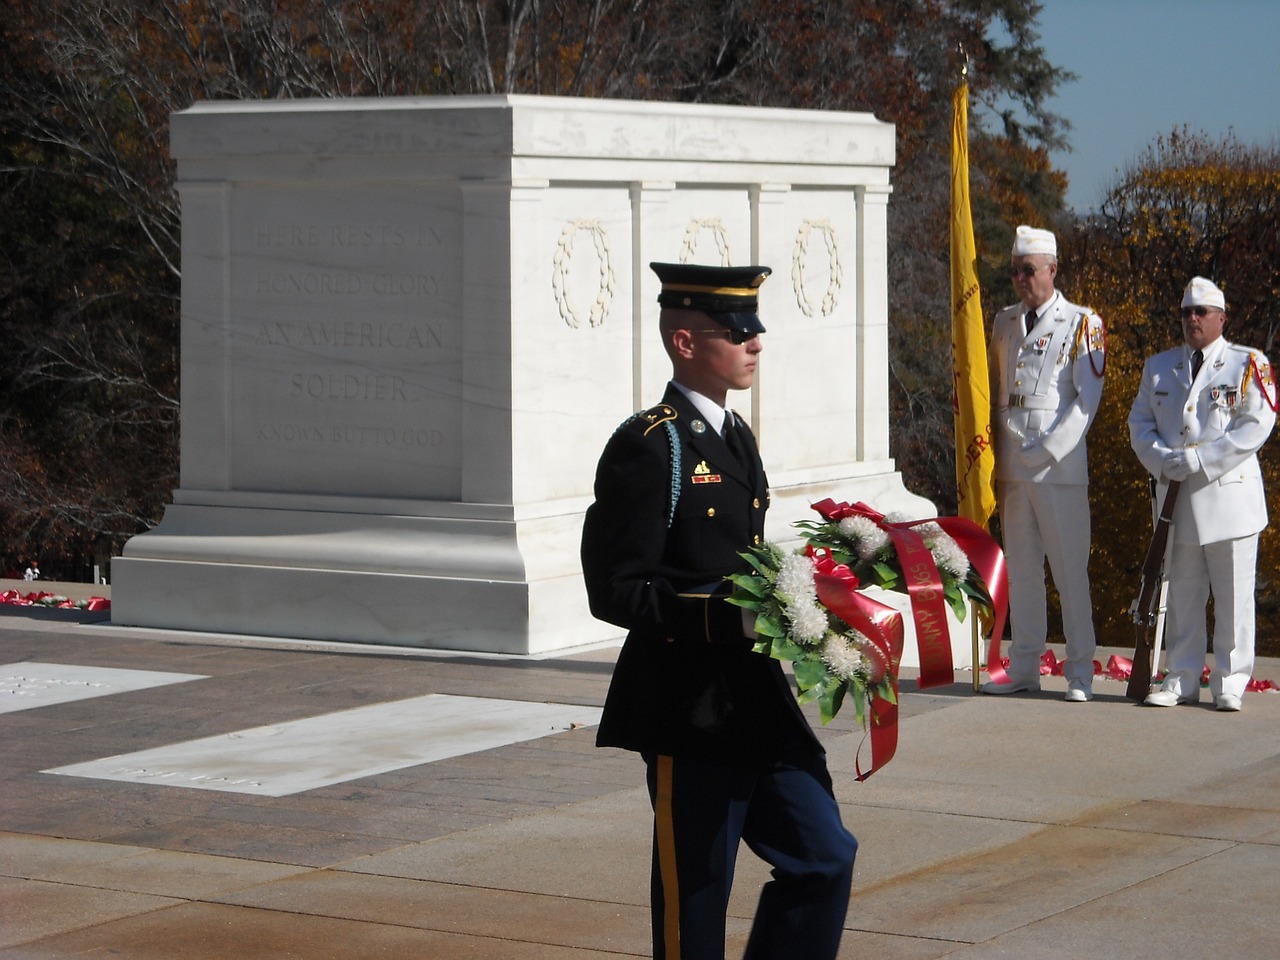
pixel 674 440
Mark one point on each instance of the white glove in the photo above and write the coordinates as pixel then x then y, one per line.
pixel 1033 455
pixel 1180 464
pixel 749 625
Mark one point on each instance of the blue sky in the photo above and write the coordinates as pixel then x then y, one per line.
pixel 1147 66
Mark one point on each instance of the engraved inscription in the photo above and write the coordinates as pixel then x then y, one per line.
pixel 348 342
pixel 306 434
pixel 343 235
pixel 351 334
pixel 328 283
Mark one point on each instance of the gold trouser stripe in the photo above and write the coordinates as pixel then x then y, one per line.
pixel 666 840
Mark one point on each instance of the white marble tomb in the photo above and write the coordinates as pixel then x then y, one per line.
pixel 410 325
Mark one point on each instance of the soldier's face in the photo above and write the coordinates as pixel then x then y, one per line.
pixel 1202 325
pixel 1033 277
pixel 725 363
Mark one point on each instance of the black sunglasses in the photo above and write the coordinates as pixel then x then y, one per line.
pixel 1026 271
pixel 738 337
pixel 1198 311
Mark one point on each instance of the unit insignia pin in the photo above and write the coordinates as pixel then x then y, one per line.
pixel 702 474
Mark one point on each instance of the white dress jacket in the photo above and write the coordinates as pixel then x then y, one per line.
pixel 1226 414
pixel 1046 387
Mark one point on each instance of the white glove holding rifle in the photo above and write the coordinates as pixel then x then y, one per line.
pixel 1180 464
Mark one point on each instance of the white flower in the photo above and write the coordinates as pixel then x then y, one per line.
pixel 795 587
pixel 929 530
pixel 949 557
pixel 795 579
pixel 808 622
pixel 946 552
pixel 866 534
pixel 841 656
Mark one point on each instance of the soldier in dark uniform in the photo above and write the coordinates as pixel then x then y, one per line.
pixel 729 754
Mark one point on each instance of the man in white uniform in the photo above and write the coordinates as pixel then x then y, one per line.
pixel 1202 412
pixel 1047 360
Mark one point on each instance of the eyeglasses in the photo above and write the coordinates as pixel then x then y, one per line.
pixel 738 337
pixel 1198 311
pixel 1026 271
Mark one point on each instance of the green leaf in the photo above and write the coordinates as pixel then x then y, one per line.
pixel 810 672
pixel 860 709
pixel 768 626
pixel 884 691
pixel 884 575
pixel 829 704
pixel 955 599
pixel 978 594
pixel 786 649
pixel 747 593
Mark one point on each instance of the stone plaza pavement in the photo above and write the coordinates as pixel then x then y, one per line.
pixel 1019 827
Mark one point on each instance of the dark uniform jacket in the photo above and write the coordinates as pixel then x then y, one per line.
pixel 687 682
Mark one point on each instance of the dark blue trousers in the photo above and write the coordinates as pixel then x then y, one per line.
pixel 787 816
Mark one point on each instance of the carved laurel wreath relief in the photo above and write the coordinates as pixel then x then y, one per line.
pixel 718 233
pixel 569 311
pixel 572 312
pixel 799 258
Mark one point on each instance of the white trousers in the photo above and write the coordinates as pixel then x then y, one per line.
pixel 1047 521
pixel 1227 570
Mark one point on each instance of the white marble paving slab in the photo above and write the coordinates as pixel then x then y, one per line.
pixel 28 683
pixel 288 758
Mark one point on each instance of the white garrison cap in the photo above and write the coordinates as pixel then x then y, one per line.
pixel 1203 293
pixel 1031 240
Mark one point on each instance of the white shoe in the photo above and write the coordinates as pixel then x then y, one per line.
pixel 1013 685
pixel 1227 702
pixel 1078 692
pixel 1167 698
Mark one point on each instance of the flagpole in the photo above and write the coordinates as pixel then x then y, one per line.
pixel 975 655
pixel 975 459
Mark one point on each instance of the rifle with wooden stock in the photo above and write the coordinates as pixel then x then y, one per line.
pixel 1146 609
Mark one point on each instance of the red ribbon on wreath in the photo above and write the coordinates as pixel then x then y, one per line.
pixel 924 584
pixel 881 624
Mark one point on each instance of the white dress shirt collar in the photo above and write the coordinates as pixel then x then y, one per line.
pixel 712 411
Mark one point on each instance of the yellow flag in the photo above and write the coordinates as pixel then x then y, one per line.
pixel 971 397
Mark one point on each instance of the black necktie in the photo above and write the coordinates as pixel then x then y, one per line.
pixel 1197 358
pixel 734 439
pixel 1028 322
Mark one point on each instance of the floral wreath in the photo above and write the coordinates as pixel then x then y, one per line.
pixel 842 644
